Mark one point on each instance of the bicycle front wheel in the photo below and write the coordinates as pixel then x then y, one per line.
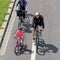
pixel 16 51
pixel 41 51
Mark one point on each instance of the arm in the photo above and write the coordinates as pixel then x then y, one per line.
pixel 33 21
pixel 16 34
pixel 25 3
pixel 18 3
pixel 42 22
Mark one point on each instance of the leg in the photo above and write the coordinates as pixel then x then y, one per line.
pixel 23 8
pixel 33 30
pixel 22 43
pixel 23 15
pixel 17 44
pixel 40 30
pixel 40 27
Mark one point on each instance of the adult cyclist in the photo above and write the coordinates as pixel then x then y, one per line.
pixel 21 4
pixel 37 20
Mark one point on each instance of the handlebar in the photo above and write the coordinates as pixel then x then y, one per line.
pixel 22 10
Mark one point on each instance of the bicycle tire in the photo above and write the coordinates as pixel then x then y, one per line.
pixel 16 51
pixel 41 51
pixel 37 44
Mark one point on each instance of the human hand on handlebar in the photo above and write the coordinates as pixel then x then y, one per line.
pixel 18 38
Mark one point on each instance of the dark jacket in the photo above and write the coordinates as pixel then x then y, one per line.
pixel 24 3
pixel 39 21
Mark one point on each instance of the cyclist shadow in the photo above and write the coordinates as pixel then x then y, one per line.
pixel 26 51
pixel 28 27
pixel 29 15
pixel 44 48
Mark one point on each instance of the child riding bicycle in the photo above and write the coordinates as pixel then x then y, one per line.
pixel 19 35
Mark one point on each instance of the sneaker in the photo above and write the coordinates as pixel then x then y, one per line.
pixel 33 40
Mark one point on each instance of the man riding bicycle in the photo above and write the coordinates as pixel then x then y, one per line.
pixel 21 4
pixel 37 20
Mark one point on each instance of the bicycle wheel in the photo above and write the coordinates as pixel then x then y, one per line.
pixel 40 47
pixel 16 51
pixel 41 42
pixel 36 48
pixel 41 51
pixel 37 44
pixel 20 50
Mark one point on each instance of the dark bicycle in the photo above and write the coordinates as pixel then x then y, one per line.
pixel 19 47
pixel 20 15
pixel 39 42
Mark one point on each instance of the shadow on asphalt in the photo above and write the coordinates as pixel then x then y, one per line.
pixel 44 48
pixel 29 15
pixel 26 50
pixel 28 27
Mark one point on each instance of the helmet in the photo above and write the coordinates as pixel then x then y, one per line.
pixel 37 13
pixel 20 28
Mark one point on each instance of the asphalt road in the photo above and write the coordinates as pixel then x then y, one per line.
pixel 50 10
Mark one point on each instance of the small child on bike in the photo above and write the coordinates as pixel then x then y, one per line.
pixel 20 36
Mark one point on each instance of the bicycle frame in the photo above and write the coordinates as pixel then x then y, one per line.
pixel 18 48
pixel 37 34
pixel 19 42
pixel 26 16
pixel 37 37
pixel 21 18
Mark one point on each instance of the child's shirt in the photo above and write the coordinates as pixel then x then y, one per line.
pixel 20 34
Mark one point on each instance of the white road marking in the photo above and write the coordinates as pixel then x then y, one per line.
pixel 33 55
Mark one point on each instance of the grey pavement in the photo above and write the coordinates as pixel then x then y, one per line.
pixel 50 9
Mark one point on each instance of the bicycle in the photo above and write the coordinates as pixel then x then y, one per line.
pixel 39 42
pixel 19 47
pixel 21 21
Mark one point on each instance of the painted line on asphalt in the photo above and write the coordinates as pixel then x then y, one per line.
pixel 33 55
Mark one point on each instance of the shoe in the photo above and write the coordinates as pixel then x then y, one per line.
pixel 33 40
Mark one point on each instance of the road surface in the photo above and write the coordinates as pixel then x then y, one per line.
pixel 50 9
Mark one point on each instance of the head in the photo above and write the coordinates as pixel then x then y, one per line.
pixel 37 14
pixel 20 28
pixel 21 0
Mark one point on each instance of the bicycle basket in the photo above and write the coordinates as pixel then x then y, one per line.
pixel 19 13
